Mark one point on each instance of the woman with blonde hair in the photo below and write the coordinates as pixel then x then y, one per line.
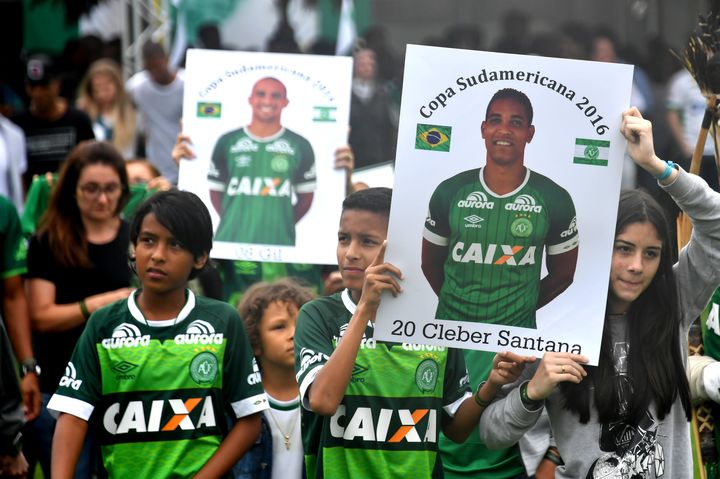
pixel 103 97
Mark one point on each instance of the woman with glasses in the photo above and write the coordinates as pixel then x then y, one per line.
pixel 77 263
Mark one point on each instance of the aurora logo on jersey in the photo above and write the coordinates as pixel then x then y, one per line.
pixel 368 425
pixel 199 332
pixel 308 357
pixel 572 228
pixel 476 199
pixel 258 186
pixel 524 203
pixel 493 254
pixel 433 137
pixel 280 146
pixel 243 145
pixel 126 335
pixel 70 379
pixel 152 416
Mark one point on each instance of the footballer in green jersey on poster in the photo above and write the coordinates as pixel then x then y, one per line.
pixel 488 229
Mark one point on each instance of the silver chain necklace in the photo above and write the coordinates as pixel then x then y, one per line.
pixel 293 422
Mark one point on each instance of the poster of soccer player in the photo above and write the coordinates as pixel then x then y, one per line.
pixel 264 129
pixel 507 181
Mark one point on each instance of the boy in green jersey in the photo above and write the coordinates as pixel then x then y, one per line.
pixel 488 229
pixel 160 371
pixel 375 409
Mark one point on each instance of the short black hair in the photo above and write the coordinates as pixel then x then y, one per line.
pixel 184 215
pixel 152 50
pixel 512 94
pixel 375 200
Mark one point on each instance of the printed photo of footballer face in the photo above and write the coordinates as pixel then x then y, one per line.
pixel 489 229
pixel 262 168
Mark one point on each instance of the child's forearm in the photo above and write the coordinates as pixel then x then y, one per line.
pixel 238 441
pixel 67 443
pixel 468 414
pixel 329 386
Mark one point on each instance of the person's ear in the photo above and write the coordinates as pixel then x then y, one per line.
pixel 531 133
pixel 200 261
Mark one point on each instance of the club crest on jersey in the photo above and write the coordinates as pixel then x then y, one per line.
pixel 280 163
pixel 204 368
pixel 70 379
pixel 244 145
pixel 258 186
pixel 521 227
pixel 493 254
pixel 524 203
pixel 478 200
pixel 199 332
pixel 126 335
pixel 426 375
pixel 367 424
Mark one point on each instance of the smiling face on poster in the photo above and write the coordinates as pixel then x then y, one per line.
pixel 264 129
pixel 507 181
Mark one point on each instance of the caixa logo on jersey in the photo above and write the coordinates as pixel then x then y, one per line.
pixel 160 415
pixel 199 332
pixel 70 379
pixel 385 425
pixel 476 199
pixel 126 335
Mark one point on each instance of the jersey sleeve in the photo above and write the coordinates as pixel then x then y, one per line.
pixel 305 177
pixel 14 250
pixel 80 388
pixel 437 226
pixel 457 382
pixel 242 386
pixel 218 169
pixel 563 233
pixel 313 347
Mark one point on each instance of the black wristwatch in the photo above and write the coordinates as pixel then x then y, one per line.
pixel 28 366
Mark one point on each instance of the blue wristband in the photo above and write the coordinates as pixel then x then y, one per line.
pixel 669 167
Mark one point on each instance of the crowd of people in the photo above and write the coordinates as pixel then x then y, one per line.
pixel 140 356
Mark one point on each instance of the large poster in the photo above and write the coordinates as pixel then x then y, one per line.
pixel 507 180
pixel 264 129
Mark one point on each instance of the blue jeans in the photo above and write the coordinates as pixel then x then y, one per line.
pixel 37 438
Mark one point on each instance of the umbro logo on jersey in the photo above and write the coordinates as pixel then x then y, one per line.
pixel 199 332
pixel 138 417
pixel 254 377
pixel 258 186
pixel 243 146
pixel 357 373
pixel 476 199
pixel 242 161
pixel 70 379
pixel 524 203
pixel 473 221
pixel 126 335
pixel 280 146
pixel 368 425
pixel 493 254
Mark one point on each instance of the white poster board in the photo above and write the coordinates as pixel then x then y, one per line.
pixel 251 169
pixel 576 148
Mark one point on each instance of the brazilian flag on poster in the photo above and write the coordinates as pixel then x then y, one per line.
pixel 432 137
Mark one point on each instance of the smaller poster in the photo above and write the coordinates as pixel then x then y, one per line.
pixel 264 128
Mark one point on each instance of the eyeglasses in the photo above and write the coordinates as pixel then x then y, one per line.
pixel 94 190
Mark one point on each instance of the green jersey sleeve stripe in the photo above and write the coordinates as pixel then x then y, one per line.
pixel 435 238
pixel 452 408
pixel 69 405
pixel 308 187
pixel 572 243
pixel 216 186
pixel 13 272
pixel 305 385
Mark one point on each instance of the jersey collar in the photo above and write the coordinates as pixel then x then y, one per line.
pixel 350 304
pixel 265 139
pixel 506 195
pixel 184 312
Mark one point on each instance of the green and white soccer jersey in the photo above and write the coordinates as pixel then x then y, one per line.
pixel 495 245
pixel 161 389
pixel 258 177
pixel 388 422
pixel 14 247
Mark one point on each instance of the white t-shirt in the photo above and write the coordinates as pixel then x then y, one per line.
pixel 286 463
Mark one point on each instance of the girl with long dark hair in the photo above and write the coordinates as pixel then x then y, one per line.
pixel 628 417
